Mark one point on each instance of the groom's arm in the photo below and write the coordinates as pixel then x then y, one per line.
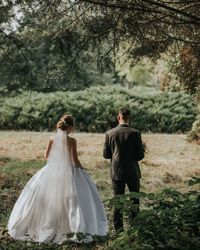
pixel 139 150
pixel 107 153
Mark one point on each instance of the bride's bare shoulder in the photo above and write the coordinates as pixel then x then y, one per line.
pixel 51 138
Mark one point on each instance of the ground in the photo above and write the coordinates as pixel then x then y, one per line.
pixel 170 161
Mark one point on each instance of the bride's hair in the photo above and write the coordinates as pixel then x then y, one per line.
pixel 65 122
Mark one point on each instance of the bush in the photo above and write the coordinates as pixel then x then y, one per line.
pixel 171 221
pixel 195 132
pixel 95 110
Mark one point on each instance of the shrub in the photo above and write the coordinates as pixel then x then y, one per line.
pixel 95 110
pixel 195 132
pixel 171 221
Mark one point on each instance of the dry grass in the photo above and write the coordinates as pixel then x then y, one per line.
pixel 170 161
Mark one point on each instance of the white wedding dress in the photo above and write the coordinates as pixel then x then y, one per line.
pixel 59 199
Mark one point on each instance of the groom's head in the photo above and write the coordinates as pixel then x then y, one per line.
pixel 124 115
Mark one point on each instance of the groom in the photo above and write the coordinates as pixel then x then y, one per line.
pixel 123 145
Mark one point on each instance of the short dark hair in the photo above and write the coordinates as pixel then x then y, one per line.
pixel 126 113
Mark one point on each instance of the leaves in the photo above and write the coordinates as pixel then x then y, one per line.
pixel 193 181
pixel 170 221
pixel 95 110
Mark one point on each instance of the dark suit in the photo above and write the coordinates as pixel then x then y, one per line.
pixel 123 145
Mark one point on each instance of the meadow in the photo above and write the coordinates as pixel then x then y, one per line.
pixel 171 160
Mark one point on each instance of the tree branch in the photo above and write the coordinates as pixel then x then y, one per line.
pixel 194 19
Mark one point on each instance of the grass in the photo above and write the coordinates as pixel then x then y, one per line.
pixel 171 160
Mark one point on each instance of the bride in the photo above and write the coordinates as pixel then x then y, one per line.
pixel 60 198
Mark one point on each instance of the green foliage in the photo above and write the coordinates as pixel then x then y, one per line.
pixel 141 75
pixel 95 110
pixel 47 55
pixel 170 221
pixel 195 132
pixel 53 47
pixel 45 66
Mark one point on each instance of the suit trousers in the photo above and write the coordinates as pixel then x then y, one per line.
pixel 119 188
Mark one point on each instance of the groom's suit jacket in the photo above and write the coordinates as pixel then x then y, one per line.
pixel 123 145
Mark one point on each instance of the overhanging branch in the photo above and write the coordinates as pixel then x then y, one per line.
pixel 192 18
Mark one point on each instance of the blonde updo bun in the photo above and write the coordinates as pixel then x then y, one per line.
pixel 65 122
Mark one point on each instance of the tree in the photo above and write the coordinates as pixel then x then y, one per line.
pixel 136 27
pixel 41 55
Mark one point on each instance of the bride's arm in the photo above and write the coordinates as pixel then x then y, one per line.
pixel 48 148
pixel 75 154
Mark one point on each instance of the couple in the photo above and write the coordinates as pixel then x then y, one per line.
pixel 61 198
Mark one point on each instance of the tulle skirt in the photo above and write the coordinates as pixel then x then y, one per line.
pixel 52 206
